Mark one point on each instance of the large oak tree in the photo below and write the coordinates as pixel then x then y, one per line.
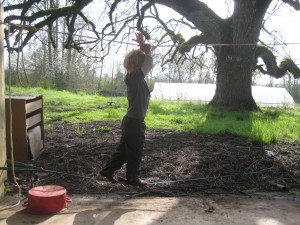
pixel 234 40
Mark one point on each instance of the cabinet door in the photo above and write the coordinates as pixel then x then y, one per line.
pixel 18 130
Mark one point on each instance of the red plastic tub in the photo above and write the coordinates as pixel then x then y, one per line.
pixel 47 199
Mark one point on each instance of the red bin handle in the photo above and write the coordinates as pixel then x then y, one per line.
pixel 68 199
pixel 25 204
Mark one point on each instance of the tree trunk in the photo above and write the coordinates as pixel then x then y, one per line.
pixel 50 61
pixel 234 77
pixel 234 40
pixel 236 57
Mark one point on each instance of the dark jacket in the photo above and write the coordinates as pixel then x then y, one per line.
pixel 138 93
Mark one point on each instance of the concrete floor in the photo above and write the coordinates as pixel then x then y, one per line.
pixel 275 209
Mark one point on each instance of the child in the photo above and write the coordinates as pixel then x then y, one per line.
pixel 138 64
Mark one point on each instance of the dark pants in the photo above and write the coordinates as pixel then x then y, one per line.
pixel 129 150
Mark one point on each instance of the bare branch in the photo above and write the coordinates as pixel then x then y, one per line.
pixel 295 4
pixel 175 38
pixel 71 30
pixel 271 65
pixel 90 23
pixel 192 42
pixel 200 15
pixel 54 45
pixel 141 18
pixel 111 11
pixel 49 15
pixel 25 6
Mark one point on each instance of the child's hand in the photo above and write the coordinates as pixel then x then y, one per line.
pixel 139 38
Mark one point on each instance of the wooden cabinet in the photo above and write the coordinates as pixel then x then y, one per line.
pixel 27 126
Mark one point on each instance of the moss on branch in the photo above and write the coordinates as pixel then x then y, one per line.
pixel 287 64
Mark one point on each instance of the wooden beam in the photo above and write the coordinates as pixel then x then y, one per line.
pixel 3 174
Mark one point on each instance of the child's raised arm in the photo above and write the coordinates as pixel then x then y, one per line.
pixel 145 47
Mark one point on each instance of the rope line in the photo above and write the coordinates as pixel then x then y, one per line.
pixel 208 178
pixel 30 167
pixel 10 139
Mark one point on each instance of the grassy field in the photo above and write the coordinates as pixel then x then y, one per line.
pixel 268 126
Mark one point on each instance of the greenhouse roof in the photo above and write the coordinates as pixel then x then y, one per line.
pixel 263 96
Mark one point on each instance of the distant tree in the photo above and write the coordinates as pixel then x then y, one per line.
pixel 233 39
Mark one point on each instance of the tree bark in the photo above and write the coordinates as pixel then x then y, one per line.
pixel 235 61
pixel 233 82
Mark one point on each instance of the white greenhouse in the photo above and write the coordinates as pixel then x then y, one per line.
pixel 263 96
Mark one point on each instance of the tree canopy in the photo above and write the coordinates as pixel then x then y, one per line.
pixel 234 40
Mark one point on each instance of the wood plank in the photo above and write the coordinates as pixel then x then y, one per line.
pixel 27 97
pixel 33 120
pixel 3 156
pixel 18 130
pixel 32 106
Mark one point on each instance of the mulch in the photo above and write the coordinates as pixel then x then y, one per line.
pixel 174 163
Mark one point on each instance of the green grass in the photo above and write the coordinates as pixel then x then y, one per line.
pixel 64 106
pixel 268 126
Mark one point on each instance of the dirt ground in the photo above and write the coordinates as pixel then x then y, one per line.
pixel 175 163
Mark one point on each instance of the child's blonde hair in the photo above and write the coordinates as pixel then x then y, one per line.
pixel 134 59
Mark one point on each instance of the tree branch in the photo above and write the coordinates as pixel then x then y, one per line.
pixel 198 13
pixel 50 15
pixel 111 11
pixel 54 45
pixel 141 18
pixel 71 30
pixel 192 42
pixel 90 23
pixel 25 6
pixel 295 4
pixel 272 69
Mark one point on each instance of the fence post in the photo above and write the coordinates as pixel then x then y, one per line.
pixel 2 105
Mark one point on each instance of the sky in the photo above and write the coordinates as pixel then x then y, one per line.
pixel 287 21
